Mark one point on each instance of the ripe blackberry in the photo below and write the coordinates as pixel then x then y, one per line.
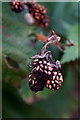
pixel 45 73
pixel 39 14
pixel 17 6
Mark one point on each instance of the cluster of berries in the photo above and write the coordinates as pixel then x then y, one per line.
pixel 37 11
pixel 45 73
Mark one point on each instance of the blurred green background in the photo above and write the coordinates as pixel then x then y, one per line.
pixel 18 47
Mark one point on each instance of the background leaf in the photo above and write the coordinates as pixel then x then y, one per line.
pixel 70 54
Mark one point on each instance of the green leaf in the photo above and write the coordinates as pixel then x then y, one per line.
pixel 71 53
pixel 62 15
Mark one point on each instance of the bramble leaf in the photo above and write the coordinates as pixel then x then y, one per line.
pixel 71 53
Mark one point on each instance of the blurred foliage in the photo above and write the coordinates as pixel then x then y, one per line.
pixel 18 46
pixel 70 54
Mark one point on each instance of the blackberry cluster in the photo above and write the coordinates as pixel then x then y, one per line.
pixel 17 6
pixel 39 13
pixel 45 74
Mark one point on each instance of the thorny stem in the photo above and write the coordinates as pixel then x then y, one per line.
pixel 61 45
pixel 45 46
pixel 54 39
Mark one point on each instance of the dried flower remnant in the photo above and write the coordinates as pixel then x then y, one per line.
pixel 55 40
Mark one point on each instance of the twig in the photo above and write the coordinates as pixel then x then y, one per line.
pixel 54 39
